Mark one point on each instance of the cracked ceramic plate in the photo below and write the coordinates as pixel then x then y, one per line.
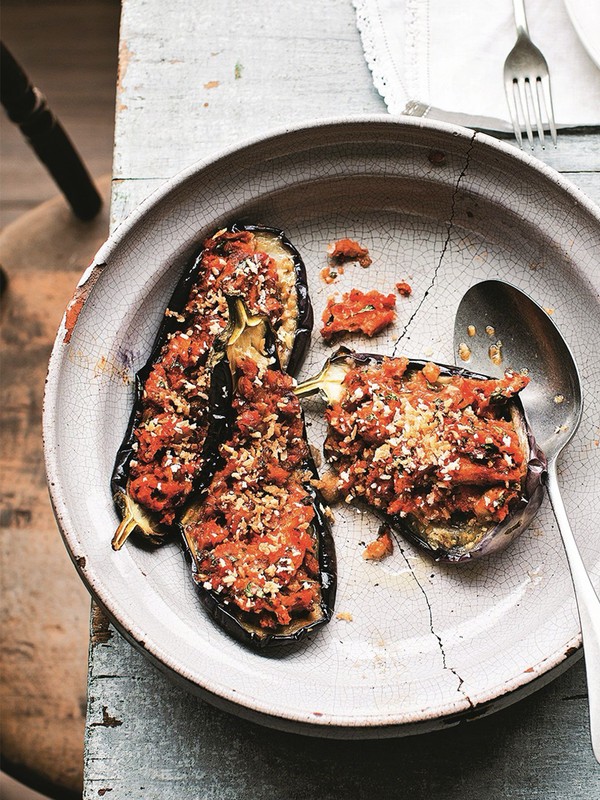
pixel 416 645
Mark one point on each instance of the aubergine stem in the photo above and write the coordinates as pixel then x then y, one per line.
pixel 329 381
pixel 240 321
pixel 127 525
pixel 312 385
pixel 244 336
pixel 134 516
pixel 189 541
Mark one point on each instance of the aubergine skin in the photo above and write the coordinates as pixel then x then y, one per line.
pixel 242 630
pixel 158 533
pixel 521 513
pixel 229 617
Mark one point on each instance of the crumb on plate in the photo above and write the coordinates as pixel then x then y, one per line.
pixel 404 289
pixel 380 548
pixel 330 273
pixel 349 250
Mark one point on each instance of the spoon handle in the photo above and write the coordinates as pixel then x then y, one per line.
pixel 587 604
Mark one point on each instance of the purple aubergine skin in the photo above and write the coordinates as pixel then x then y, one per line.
pixel 521 513
pixel 231 619
pixel 216 430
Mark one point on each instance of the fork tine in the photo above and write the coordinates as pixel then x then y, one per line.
pixel 522 105
pixel 512 110
pixel 534 109
pixel 545 93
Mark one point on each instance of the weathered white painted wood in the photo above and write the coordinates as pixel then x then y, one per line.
pixel 212 74
pixel 149 740
pixel 196 77
pixel 278 64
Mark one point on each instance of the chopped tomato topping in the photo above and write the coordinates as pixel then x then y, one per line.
pixel 404 289
pixel 174 419
pixel 253 532
pixel 349 250
pixel 423 444
pixel 367 312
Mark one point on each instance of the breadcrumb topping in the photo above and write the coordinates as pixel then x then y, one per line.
pixel 170 435
pixel 419 443
pixel 253 531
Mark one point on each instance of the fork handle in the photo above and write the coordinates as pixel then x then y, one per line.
pixel 520 18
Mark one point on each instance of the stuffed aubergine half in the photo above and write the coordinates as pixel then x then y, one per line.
pixel 443 455
pixel 260 543
pixel 165 454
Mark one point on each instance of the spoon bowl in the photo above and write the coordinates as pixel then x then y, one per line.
pixel 497 316
pixel 498 328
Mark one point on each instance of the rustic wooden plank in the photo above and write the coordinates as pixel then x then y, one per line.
pixel 576 152
pixel 178 96
pixel 181 98
pixel 43 605
pixel 148 739
pixel 588 182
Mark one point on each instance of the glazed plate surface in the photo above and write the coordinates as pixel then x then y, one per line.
pixel 418 645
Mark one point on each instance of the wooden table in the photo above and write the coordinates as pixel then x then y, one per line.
pixel 194 78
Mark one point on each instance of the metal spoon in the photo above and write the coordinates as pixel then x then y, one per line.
pixel 497 327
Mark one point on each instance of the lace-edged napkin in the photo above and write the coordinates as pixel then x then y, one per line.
pixel 444 59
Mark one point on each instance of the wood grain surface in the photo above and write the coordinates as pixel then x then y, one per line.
pixel 68 48
pixel 43 605
pixel 195 78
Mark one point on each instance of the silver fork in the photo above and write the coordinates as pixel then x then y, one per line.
pixel 527 84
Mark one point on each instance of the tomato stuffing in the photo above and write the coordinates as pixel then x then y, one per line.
pixel 367 312
pixel 253 532
pixel 169 438
pixel 419 443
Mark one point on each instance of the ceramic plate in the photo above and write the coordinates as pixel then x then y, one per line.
pixel 585 16
pixel 417 645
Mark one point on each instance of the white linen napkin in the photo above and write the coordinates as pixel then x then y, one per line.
pixel 445 58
